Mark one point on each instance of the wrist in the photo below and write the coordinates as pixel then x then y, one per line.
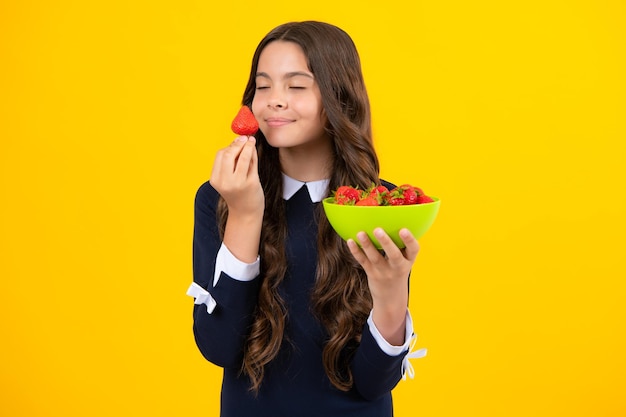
pixel 246 214
pixel 242 236
pixel 391 300
pixel 391 323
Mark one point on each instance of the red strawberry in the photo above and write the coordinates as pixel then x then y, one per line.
pixel 368 201
pixel 424 199
pixel 418 190
pixel 245 123
pixel 410 195
pixel 346 195
pixel 379 195
pixel 379 190
pixel 396 197
pixel 395 200
pixel 405 194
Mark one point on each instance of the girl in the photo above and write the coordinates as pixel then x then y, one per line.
pixel 303 323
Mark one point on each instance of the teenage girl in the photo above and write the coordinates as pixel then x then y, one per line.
pixel 303 323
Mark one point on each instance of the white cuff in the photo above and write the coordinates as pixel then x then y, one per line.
pixel 410 339
pixel 227 262
pixel 202 296
pixel 386 347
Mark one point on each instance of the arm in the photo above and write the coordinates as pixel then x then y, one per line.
pixel 235 176
pixel 221 333
pixel 220 336
pixel 388 279
pixel 378 366
pixel 377 370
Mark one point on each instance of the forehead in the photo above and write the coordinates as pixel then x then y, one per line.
pixel 281 57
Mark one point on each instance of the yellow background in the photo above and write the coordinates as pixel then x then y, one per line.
pixel 513 113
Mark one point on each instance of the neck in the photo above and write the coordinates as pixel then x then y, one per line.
pixel 307 163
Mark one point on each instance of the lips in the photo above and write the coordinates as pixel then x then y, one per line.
pixel 277 121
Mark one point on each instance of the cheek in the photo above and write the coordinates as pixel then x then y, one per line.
pixel 311 107
pixel 323 117
pixel 259 102
pixel 256 106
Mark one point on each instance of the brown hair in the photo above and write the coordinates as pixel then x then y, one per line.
pixel 341 299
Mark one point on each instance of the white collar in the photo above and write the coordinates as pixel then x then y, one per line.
pixel 317 189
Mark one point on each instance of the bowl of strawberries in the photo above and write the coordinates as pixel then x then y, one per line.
pixel 351 210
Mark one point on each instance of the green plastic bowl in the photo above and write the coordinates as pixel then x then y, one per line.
pixel 349 220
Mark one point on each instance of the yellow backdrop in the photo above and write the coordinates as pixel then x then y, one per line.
pixel 513 113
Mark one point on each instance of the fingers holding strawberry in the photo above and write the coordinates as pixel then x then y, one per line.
pixel 235 171
pixel 235 176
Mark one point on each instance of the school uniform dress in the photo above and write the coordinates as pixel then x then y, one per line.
pixel 295 383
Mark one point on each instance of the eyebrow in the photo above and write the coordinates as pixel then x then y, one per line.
pixel 287 75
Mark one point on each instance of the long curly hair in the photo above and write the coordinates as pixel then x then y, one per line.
pixel 341 298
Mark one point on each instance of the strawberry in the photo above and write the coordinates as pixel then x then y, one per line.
pixel 245 123
pixel 378 190
pixel 405 194
pixel 395 200
pixel 424 199
pixel 368 201
pixel 347 195
pixel 396 197
pixel 379 195
pixel 410 195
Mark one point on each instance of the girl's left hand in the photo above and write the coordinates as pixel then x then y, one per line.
pixel 387 276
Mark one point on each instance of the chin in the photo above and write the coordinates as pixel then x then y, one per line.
pixel 281 143
pixel 292 140
pixel 281 140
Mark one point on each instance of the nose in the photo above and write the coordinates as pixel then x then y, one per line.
pixel 276 101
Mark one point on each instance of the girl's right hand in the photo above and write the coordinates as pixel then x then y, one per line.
pixel 235 176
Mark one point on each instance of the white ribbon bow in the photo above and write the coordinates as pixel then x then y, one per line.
pixel 202 296
pixel 407 367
